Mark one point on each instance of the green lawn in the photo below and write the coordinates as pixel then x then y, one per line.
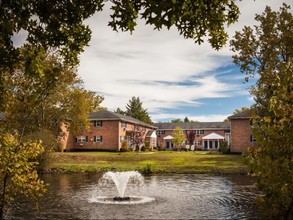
pixel 149 162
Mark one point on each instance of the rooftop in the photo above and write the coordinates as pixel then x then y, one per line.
pixel 108 115
pixel 193 125
pixel 242 115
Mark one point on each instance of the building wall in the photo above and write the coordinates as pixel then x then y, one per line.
pixel 110 137
pixel 112 132
pixel 240 135
pixel 198 137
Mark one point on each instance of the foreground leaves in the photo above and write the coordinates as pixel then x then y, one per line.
pixel 18 174
pixel 266 52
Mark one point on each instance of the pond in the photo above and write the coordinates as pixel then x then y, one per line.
pixel 70 196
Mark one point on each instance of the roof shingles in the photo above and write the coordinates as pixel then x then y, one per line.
pixel 193 125
pixel 108 115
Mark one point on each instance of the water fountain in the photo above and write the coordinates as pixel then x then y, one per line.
pixel 121 181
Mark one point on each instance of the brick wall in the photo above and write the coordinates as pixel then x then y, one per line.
pixel 198 137
pixel 111 132
pixel 240 135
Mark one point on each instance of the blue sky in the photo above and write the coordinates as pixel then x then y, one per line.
pixel 173 76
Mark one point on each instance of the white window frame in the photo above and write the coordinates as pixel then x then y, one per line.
pixel 81 139
pixel 98 123
pixel 160 132
pixel 122 138
pixel 123 124
pixel 98 138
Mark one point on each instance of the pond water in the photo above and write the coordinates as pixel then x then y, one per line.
pixel 71 196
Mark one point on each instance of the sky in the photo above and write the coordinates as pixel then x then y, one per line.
pixel 172 76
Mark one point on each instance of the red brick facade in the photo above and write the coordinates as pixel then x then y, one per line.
pixel 106 133
pixel 241 136
pixel 200 130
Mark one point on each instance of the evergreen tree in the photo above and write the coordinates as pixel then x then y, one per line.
pixel 134 109
pixel 120 111
pixel 186 120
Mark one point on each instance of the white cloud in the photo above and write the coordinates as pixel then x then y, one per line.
pixel 202 118
pixel 151 64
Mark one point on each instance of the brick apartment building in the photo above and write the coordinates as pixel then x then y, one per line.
pixel 237 132
pixel 108 130
pixel 207 134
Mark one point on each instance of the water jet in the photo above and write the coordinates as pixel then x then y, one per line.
pixel 121 180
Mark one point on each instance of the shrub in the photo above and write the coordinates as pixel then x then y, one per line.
pixel 224 147
pixel 147 145
pixel 147 169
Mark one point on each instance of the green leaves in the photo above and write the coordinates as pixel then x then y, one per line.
pixel 193 19
pixel 17 170
pixel 267 51
pixel 178 135
pixel 134 109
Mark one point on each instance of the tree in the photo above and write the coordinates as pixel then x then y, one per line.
pixel 45 102
pixel 137 138
pixel 179 136
pixel 190 136
pixel 58 25
pixel 237 111
pixel 242 109
pixel 119 111
pixel 36 107
pixel 186 120
pixel 177 120
pixel 134 109
pixel 18 175
pixel 267 52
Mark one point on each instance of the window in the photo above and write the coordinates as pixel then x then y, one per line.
pixel 123 124
pixel 252 138
pixel 98 123
pixel 98 138
pixel 199 131
pixel 122 138
pixel 81 139
pixel 159 132
pixel 216 144
pixel 198 143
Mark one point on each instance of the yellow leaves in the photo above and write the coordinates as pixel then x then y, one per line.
pixel 267 119
pixel 18 166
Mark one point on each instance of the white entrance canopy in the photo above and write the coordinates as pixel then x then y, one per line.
pixel 213 136
pixel 169 137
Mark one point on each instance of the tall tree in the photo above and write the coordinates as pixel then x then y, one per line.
pixel 134 109
pixel 186 120
pixel 267 51
pixel 44 102
pixel 120 111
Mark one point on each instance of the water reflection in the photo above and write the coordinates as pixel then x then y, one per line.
pixel 176 197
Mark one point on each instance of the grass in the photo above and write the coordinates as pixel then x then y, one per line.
pixel 149 162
